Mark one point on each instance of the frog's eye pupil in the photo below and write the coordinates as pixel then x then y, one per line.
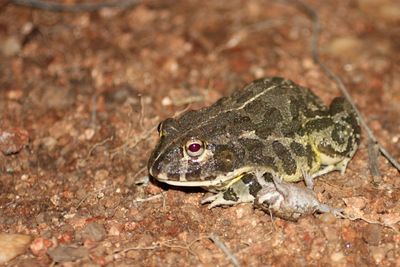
pixel 194 147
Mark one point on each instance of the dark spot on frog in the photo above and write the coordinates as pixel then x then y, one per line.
pixel 272 117
pixel 232 124
pixel 263 132
pixel 318 124
pixel 255 153
pixel 225 159
pixel 256 107
pixel 210 178
pixel 290 129
pixel 288 163
pixel 270 123
pixel 329 150
pixel 298 149
pixel 295 106
pixel 173 176
pixel 230 194
pixel 268 177
pixel 251 181
pixel 194 171
pixel 338 105
pixel 310 156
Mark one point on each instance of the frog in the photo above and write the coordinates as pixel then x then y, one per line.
pixel 252 145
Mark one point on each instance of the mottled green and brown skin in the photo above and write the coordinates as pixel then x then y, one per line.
pixel 271 127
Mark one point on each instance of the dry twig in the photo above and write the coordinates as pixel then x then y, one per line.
pixel 166 243
pixel 92 193
pixel 108 139
pixel 75 8
pixel 315 54
pixel 150 198
pixel 232 258
pixel 353 217
pixel 373 154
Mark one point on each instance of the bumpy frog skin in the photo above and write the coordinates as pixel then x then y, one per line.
pixel 271 128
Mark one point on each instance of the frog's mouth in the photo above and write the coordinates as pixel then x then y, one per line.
pixel 218 182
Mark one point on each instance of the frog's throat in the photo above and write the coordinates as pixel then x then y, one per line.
pixel 220 182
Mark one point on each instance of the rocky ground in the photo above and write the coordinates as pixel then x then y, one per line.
pixel 81 96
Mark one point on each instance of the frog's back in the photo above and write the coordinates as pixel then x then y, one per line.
pixel 276 106
pixel 270 106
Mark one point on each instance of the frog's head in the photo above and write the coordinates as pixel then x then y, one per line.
pixel 194 151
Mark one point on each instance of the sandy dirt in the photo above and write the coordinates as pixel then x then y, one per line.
pixel 81 96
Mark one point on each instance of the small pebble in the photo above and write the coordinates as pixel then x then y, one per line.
pixel 101 175
pixel 243 211
pixel 327 218
pixel 337 256
pixel 331 233
pixel 390 12
pixel 15 94
pixel 372 234
pixel 378 254
pixel 12 245
pixel 40 246
pixel 94 231
pixel 166 101
pixel 12 141
pixel 345 47
pixel 63 254
pixel 11 46
pixel 114 231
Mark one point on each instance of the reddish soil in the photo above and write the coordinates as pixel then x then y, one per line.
pixel 81 96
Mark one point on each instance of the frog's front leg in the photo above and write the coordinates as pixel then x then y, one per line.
pixel 243 190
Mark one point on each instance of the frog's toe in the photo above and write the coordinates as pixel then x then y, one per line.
pixel 308 179
pixel 237 193
pixel 343 165
pixel 217 200
pixel 209 199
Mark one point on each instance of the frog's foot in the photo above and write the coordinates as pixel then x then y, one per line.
pixel 308 179
pixel 340 166
pixel 240 192
pixel 217 199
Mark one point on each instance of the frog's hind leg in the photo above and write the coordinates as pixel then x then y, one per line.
pixel 243 190
pixel 340 166
pixel 334 137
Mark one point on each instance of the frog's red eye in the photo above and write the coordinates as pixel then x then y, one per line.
pixel 194 147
